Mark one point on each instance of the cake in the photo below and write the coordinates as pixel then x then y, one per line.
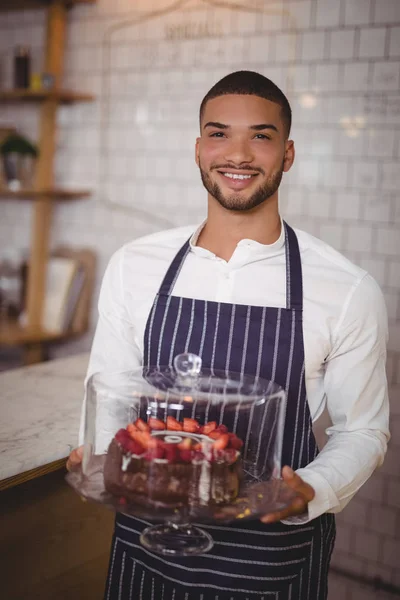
pixel 173 463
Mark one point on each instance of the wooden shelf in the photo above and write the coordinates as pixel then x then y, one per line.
pixel 34 338
pixel 12 334
pixel 65 96
pixel 9 5
pixel 50 194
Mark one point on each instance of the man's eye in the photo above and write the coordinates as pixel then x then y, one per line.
pixel 217 134
pixel 262 136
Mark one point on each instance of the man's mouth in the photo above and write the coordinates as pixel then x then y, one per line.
pixel 237 178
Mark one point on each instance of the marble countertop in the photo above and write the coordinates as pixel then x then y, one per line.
pixel 39 413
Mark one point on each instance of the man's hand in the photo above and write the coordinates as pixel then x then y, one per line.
pixel 75 458
pixel 304 494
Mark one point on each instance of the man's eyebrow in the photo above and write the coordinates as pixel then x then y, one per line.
pixel 263 126
pixel 216 125
pixel 259 127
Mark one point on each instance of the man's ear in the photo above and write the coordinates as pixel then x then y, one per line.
pixel 196 150
pixel 289 155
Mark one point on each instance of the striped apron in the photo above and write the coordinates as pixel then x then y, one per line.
pixel 250 561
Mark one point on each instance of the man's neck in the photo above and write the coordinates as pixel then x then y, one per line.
pixel 224 228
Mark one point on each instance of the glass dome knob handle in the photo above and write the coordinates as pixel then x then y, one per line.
pixel 187 365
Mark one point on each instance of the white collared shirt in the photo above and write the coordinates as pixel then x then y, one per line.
pixel 344 327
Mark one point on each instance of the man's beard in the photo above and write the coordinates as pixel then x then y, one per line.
pixel 238 202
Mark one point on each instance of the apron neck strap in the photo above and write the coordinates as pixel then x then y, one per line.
pixel 294 280
pixel 174 268
pixel 294 277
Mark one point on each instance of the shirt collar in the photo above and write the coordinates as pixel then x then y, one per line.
pixel 255 250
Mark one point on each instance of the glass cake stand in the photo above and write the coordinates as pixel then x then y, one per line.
pixel 182 445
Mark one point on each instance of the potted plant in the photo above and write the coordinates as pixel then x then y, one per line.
pixel 18 157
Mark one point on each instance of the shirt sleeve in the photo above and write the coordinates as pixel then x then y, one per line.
pixel 357 401
pixel 115 348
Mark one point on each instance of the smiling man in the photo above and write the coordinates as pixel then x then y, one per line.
pixel 259 174
pixel 298 313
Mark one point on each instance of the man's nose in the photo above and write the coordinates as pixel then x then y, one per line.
pixel 238 152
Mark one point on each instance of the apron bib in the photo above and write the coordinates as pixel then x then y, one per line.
pixel 251 561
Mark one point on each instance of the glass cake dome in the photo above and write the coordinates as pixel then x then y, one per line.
pixel 182 445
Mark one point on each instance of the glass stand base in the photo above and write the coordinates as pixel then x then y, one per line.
pixel 176 540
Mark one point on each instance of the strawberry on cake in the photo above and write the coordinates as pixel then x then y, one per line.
pixel 174 463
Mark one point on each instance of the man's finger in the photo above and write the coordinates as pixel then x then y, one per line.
pixel 297 507
pixel 75 458
pixel 297 484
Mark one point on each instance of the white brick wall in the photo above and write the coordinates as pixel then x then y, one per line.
pixel 339 63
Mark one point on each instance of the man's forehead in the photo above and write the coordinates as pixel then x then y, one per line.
pixel 240 105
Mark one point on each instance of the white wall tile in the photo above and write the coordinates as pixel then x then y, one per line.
pixel 395 578
pixel 374 108
pixel 342 43
pixel 272 17
pixel 375 267
pixel 294 202
pixel 377 208
pixel 381 142
pixel 326 77
pixel 332 234
pixel 258 50
pixel 365 175
pixel 305 171
pixel 358 238
pixel 382 520
pixel 372 42
pixel 386 76
pixel 323 142
pixel 387 11
pixel 318 203
pixel 346 108
pixel 302 141
pixel 394 274
pixel 391 551
pixel 233 49
pixel 367 592
pixel 286 47
pixel 347 206
pixel 356 76
pixel 246 22
pixel 392 304
pixel 390 176
pixel 393 493
pixel 394 44
pixel 392 113
pixel 351 141
pixel 349 562
pixel 357 12
pixel 366 545
pixel 338 586
pixel 390 466
pixel 334 173
pixel 388 241
pixel 312 45
pixel 355 513
pixel 300 78
pixel 344 537
pixel 328 13
pixel 299 16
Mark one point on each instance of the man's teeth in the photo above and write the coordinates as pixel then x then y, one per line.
pixel 235 176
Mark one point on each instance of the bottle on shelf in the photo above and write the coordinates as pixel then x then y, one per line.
pixel 22 67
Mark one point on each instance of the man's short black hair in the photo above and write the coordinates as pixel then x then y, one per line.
pixel 250 83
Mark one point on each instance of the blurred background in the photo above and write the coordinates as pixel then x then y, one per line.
pixel 98 118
